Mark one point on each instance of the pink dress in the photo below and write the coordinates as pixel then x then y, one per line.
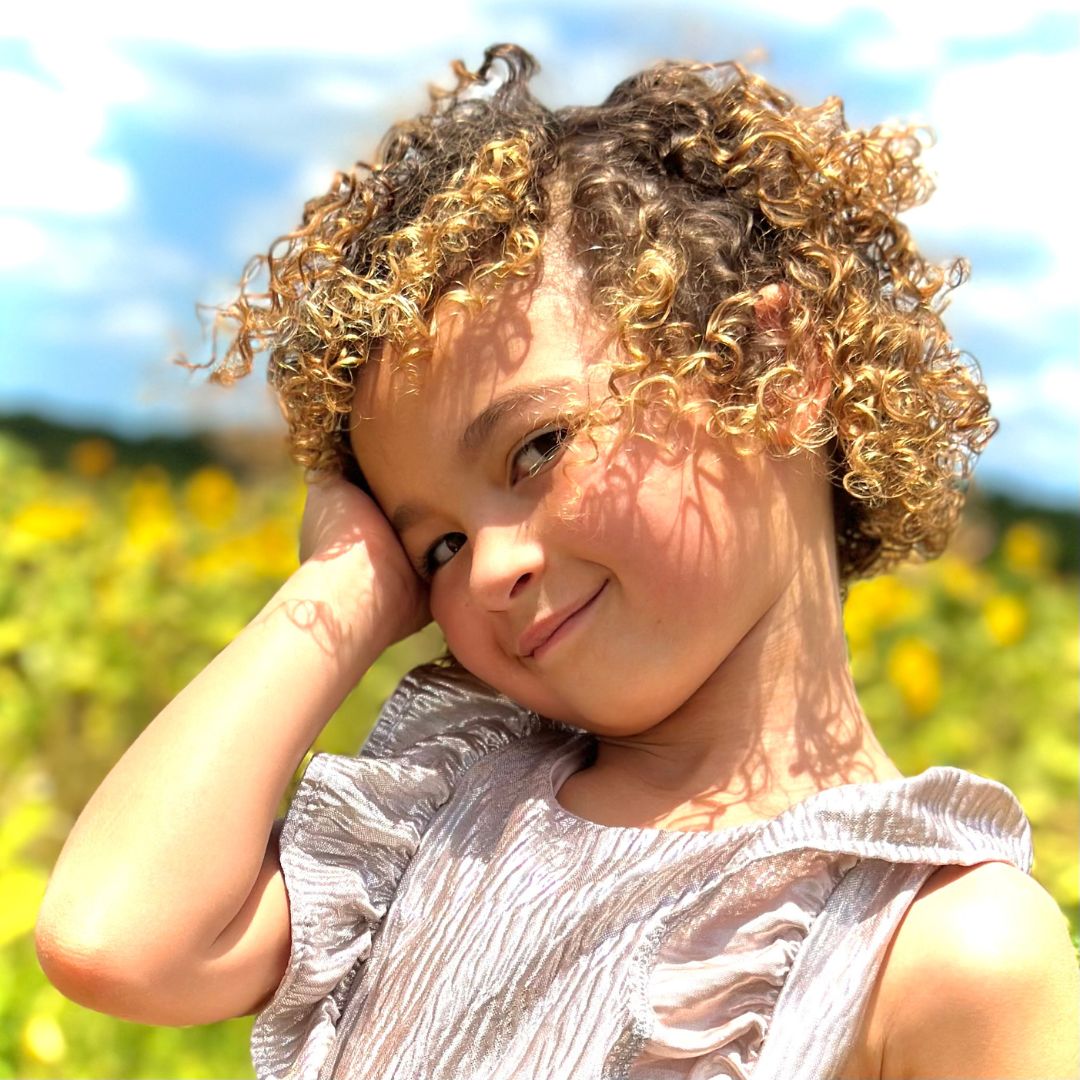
pixel 451 921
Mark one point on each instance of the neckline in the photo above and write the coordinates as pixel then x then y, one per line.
pixel 579 743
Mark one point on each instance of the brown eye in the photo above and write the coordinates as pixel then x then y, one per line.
pixel 540 450
pixel 442 551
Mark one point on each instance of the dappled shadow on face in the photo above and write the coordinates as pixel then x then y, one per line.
pixel 780 702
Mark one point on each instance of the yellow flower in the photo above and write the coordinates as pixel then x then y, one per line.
pixel 275 549
pixel 297 499
pixel 876 603
pixel 959 579
pixel 1039 804
pixel 210 496
pixel 268 551
pixel 43 521
pixel 92 457
pixel 1026 548
pixel 914 669
pixel 151 521
pixel 1005 618
pixel 43 1039
pixel 14 634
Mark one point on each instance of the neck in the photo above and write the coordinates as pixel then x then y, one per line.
pixel 777 721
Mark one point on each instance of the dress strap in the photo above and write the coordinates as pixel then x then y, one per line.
pixel 944 816
pixel 811 1033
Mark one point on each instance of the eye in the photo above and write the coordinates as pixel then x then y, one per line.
pixel 537 451
pixel 441 552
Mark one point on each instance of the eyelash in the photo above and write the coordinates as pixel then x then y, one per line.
pixel 562 432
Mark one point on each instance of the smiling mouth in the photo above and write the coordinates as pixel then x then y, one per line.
pixel 563 625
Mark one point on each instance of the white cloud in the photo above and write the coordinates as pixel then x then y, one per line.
pixel 88 69
pixel 1010 304
pixel 58 166
pixel 1002 153
pixel 22 243
pixel 69 257
pixel 341 91
pixel 137 319
pixel 915 37
pixel 77 257
pixel 926 23
pixel 1003 171
pixel 1051 392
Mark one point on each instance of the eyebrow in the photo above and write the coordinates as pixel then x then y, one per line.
pixel 481 428
pixel 487 422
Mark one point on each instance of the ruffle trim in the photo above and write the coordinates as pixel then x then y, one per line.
pixel 715 984
pixel 942 815
pixel 714 987
pixel 353 827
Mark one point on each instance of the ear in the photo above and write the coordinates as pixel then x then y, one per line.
pixel 774 307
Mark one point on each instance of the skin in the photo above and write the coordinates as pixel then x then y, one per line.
pixel 712 665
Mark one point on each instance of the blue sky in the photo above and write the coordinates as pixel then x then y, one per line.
pixel 146 164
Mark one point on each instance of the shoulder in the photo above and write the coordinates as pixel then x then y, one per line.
pixel 981 980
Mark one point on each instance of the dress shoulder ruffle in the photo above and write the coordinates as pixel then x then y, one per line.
pixel 353 826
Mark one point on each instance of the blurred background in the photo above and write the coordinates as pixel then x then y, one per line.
pixel 148 515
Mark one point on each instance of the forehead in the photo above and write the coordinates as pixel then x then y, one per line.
pixel 532 332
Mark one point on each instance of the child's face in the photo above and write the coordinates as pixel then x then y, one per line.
pixel 600 589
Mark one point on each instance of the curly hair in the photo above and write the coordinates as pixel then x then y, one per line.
pixel 687 192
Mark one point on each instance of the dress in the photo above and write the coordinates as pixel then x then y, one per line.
pixel 451 921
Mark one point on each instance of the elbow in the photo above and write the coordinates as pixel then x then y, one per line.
pixel 126 980
pixel 100 975
pixel 80 971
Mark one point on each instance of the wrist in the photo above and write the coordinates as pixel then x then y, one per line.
pixel 341 606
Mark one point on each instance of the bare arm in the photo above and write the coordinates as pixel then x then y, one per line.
pixel 983 981
pixel 167 904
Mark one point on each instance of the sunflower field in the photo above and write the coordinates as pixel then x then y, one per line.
pixel 121 579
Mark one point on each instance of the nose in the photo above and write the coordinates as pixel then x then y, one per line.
pixel 505 558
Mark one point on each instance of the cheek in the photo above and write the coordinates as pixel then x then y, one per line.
pixel 642 507
pixel 459 621
pixel 444 604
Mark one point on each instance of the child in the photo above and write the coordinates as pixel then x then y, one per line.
pixel 622 397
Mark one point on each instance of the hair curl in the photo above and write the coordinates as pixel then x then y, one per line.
pixel 683 195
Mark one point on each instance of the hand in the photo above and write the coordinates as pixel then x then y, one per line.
pixel 342 522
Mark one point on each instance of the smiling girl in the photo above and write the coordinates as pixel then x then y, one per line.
pixel 623 397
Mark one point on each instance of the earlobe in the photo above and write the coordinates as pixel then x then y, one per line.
pixel 805 396
pixel 814 390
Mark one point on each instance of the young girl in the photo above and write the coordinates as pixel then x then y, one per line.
pixel 623 397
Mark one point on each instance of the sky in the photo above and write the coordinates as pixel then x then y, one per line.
pixel 151 150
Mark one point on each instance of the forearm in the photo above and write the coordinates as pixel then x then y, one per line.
pixel 166 852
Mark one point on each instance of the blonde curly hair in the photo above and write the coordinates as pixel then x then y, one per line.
pixel 684 195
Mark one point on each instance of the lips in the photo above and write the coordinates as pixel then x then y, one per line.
pixel 544 629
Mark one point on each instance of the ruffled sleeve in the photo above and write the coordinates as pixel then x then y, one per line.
pixel 767 969
pixel 353 826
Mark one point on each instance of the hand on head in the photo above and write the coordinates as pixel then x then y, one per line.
pixel 342 522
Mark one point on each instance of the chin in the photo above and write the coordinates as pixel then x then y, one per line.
pixel 606 708
pixel 612 718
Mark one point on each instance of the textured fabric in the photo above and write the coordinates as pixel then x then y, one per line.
pixel 451 920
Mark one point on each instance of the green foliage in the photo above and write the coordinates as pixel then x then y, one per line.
pixel 120 580
pixel 973 663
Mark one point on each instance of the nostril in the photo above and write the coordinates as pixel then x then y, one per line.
pixel 520 584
